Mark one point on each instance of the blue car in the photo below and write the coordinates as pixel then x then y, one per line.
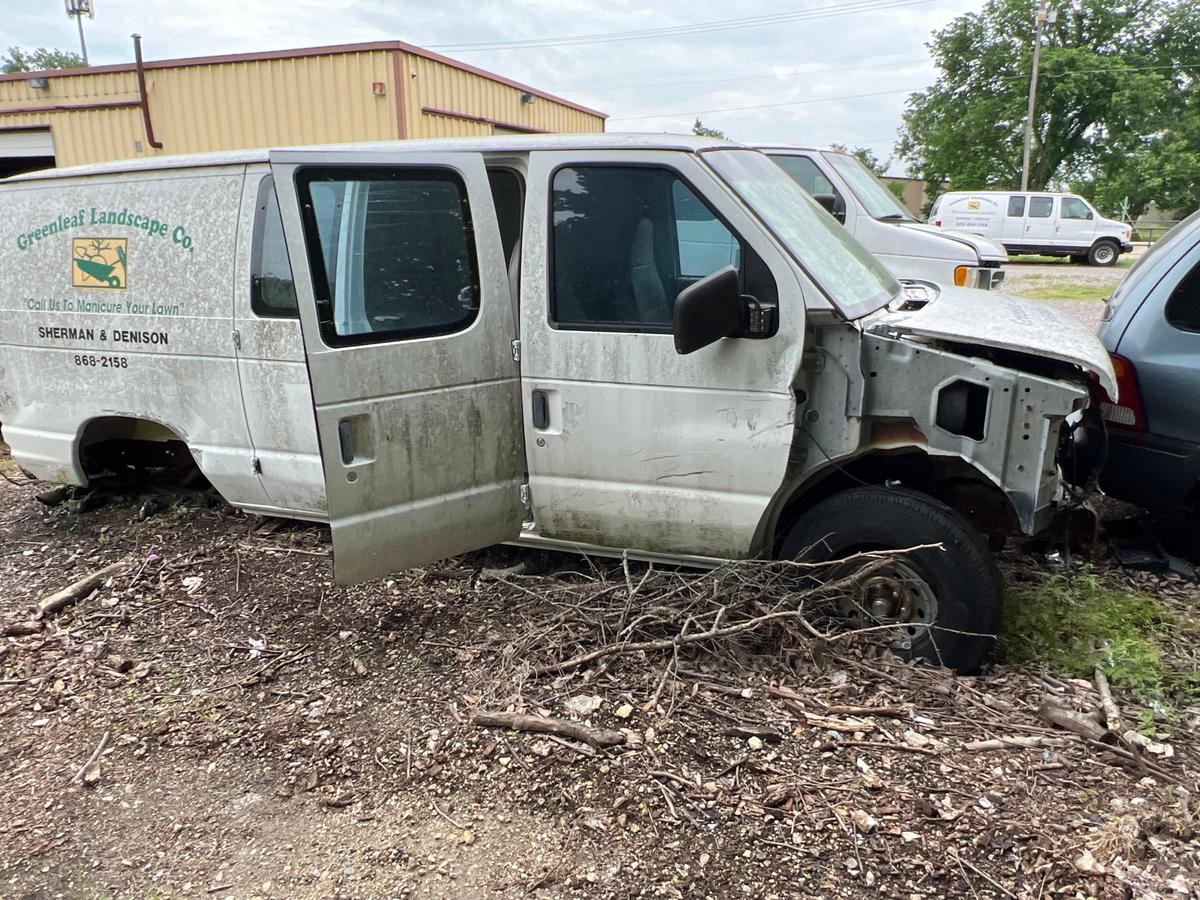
pixel 1151 330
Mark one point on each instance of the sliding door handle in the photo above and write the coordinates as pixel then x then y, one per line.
pixel 541 410
pixel 346 441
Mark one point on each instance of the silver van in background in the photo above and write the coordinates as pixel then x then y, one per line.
pixel 908 247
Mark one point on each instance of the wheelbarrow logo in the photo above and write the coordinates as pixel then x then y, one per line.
pixel 99 263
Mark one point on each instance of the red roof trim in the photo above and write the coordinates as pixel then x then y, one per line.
pixel 299 53
pixel 61 107
pixel 469 117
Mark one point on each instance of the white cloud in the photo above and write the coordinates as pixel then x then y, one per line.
pixel 870 53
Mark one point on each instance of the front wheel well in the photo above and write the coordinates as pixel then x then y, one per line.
pixel 951 480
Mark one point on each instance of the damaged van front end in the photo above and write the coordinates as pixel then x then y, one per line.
pixel 981 383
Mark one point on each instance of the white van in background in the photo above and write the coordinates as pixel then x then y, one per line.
pixel 910 248
pixel 1044 223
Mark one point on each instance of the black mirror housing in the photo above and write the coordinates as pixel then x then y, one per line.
pixel 833 205
pixel 707 311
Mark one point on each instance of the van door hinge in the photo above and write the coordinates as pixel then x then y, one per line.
pixel 525 494
pixel 256 465
pixel 516 348
pixel 237 340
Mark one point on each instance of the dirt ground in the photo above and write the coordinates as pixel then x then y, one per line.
pixel 268 734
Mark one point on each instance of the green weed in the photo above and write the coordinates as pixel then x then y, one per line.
pixel 1071 623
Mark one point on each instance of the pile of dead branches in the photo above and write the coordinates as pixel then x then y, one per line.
pixel 739 610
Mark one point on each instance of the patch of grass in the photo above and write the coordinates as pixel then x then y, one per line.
pixel 1073 623
pixel 1053 291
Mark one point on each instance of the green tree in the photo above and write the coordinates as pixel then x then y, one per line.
pixel 866 157
pixel 699 128
pixel 1113 76
pixel 38 60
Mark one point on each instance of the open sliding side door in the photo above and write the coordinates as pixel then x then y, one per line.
pixel 407 324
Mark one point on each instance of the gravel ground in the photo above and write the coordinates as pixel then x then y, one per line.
pixel 256 731
pixel 1037 280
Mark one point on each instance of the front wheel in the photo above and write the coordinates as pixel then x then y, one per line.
pixel 1104 253
pixel 945 604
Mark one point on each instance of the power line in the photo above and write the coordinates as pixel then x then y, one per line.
pixel 692 112
pixel 854 7
pixel 773 73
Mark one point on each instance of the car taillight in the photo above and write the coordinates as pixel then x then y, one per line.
pixel 1126 410
pixel 937 223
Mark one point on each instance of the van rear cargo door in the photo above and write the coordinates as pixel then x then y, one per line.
pixel 408 327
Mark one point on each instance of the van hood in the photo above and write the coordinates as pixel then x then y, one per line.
pixel 995 319
pixel 987 250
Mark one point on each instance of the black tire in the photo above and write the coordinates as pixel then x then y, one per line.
pixel 963 579
pixel 1104 253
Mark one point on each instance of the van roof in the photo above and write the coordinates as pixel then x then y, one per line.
pixel 807 148
pixel 496 145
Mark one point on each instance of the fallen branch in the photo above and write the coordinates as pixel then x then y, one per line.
pixel 56 603
pixel 21 629
pixel 79 776
pixel 1112 712
pixel 1079 723
pixel 1009 743
pixel 595 737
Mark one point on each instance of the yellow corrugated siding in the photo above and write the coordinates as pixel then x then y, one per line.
pixel 432 84
pixel 276 102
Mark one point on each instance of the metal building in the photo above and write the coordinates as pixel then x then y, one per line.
pixel 351 92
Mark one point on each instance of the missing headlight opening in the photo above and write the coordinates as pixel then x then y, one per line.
pixel 962 409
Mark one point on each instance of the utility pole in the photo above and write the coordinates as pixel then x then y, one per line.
pixel 77 9
pixel 1043 16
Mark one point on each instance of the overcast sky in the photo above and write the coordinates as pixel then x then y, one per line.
pixel 754 83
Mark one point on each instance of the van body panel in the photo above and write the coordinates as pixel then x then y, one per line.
pixel 122 309
pixel 420 436
pixel 273 376
pixel 1006 322
pixel 611 460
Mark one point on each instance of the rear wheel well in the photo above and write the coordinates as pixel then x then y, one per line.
pixel 130 445
pixel 952 480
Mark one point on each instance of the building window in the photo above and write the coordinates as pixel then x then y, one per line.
pixel 272 290
pixel 626 241
pixel 1041 207
pixel 392 252
pixel 1016 207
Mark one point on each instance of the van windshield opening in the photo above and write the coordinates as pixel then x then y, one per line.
pixel 873 194
pixel 854 282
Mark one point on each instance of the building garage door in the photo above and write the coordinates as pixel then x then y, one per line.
pixel 25 149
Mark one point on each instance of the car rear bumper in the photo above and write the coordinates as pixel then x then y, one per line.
pixel 1159 474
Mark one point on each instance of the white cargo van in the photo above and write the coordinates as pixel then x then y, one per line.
pixel 437 346
pixel 911 249
pixel 1038 222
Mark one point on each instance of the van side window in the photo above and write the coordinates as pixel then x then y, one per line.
pixel 1041 207
pixel 626 240
pixel 1074 208
pixel 1016 206
pixel 392 252
pixel 805 173
pixel 1183 306
pixel 272 291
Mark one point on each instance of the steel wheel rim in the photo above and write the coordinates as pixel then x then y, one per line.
pixel 896 597
pixel 1104 254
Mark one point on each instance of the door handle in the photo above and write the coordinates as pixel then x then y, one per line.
pixel 346 441
pixel 541 410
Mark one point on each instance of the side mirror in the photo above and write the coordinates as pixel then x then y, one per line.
pixel 707 311
pixel 833 205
